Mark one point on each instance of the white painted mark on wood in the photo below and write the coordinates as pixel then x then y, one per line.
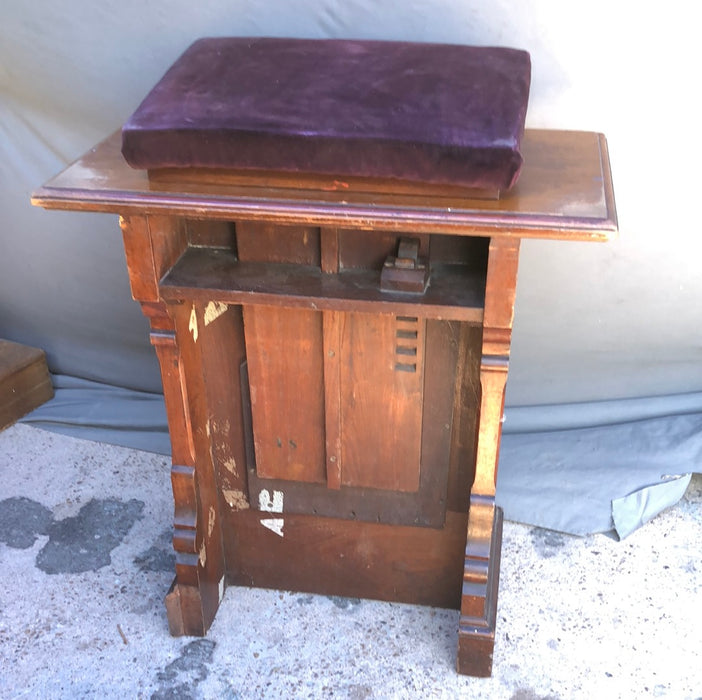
pixel 213 311
pixel 274 525
pixel 273 504
pixel 221 589
pixel 211 522
pixel 203 554
pixel 192 326
pixel 268 504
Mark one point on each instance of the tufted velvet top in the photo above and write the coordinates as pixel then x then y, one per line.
pixel 417 112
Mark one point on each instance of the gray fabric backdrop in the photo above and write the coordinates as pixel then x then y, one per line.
pixel 595 324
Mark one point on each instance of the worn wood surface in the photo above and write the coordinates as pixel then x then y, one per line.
pixel 312 182
pixel 381 400
pixel 476 630
pixel 286 374
pixel 349 558
pixel 205 274
pixel 372 491
pixel 329 436
pixel 564 191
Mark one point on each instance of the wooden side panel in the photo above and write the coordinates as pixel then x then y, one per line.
pixel 382 380
pixel 465 418
pixel 199 538
pixel 284 353
pixel 329 250
pixel 221 341
pixel 442 371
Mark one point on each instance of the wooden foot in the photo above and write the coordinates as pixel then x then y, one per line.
pixel 173 611
pixel 476 628
pixel 192 602
pixel 187 616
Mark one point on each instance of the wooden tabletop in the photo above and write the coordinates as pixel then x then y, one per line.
pixel 564 192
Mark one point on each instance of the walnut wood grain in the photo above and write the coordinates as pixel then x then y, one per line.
pixel 564 191
pixel 287 392
pixel 476 631
pixel 381 391
pixel 456 291
pixel 331 363
pixel 352 558
pixel 235 273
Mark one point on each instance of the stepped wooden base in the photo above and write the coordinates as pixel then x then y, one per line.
pixel 401 564
pixel 476 627
pixel 330 556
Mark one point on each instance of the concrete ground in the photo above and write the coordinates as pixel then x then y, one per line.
pixel 85 564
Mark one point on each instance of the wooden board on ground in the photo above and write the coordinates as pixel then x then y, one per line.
pixel 24 381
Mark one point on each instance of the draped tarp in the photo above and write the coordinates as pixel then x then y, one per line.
pixel 595 323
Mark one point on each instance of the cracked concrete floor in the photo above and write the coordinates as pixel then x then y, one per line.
pixel 85 563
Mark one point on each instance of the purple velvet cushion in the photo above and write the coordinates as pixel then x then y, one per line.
pixel 418 112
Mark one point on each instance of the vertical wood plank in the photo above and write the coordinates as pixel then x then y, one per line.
pixel 284 353
pixel 329 244
pixel 223 351
pixel 382 382
pixel 481 576
pixel 329 253
pixel 465 418
pixel 442 371
pixel 140 259
pixel 332 396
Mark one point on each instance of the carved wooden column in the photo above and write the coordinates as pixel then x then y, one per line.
pixel 152 245
pixel 476 636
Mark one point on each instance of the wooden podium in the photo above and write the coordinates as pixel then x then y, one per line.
pixel 334 357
